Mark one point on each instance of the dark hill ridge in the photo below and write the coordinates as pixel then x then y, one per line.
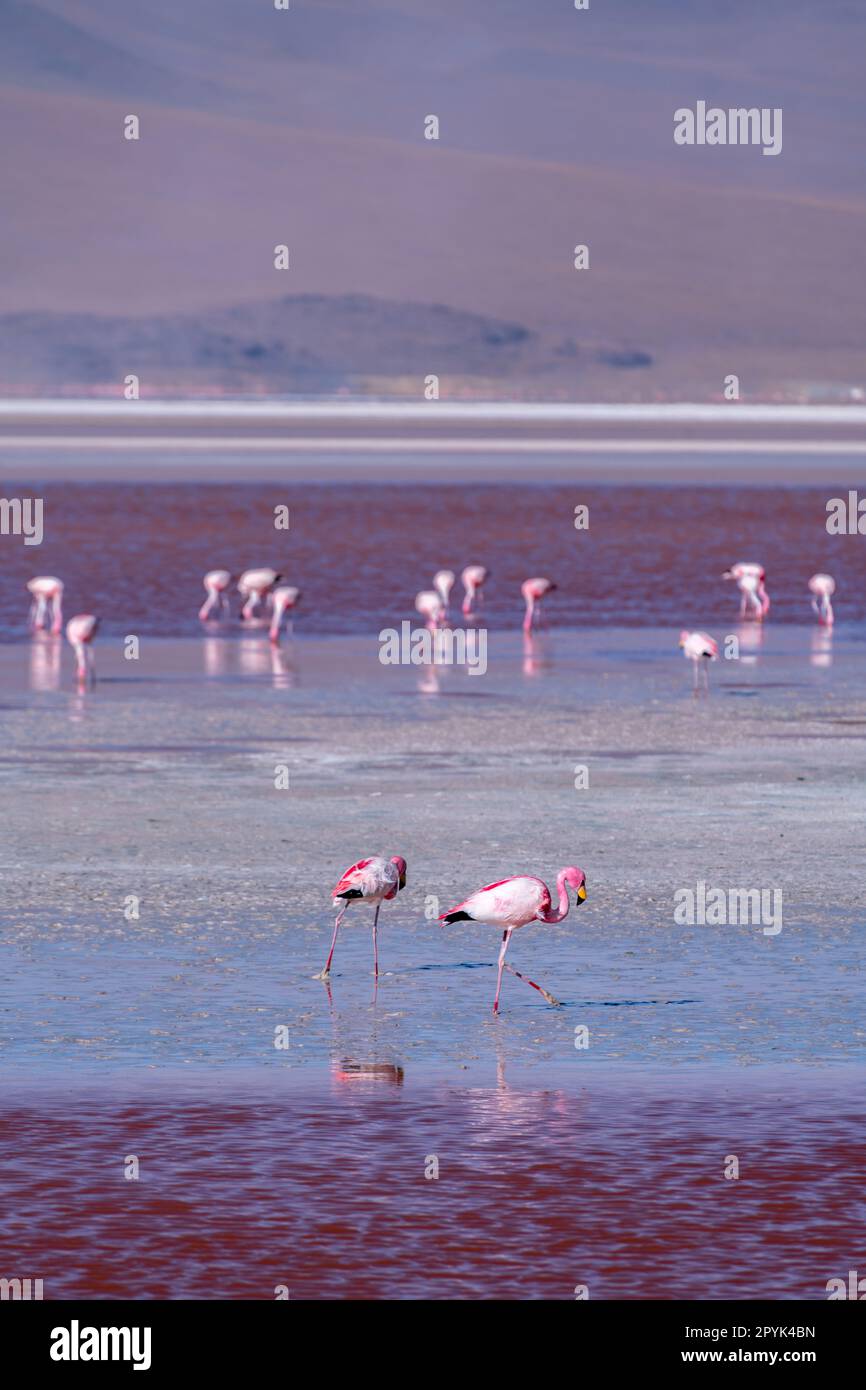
pixel 300 342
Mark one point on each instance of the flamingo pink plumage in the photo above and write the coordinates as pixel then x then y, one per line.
pixel 216 583
pixel 515 902
pixel 286 599
pixel 533 591
pixel 254 586
pixel 750 580
pixel 822 587
pixel 430 606
pixel 46 590
pixel 473 577
pixel 443 583
pixel 374 880
pixel 701 649
pixel 80 632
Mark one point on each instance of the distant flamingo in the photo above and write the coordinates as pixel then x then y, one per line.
pixel 533 591
pixel 285 600
pixel 373 880
pixel 443 583
pixel 750 580
pixel 80 632
pixel 431 607
pixel 45 589
pixel 822 587
pixel 254 586
pixel 513 903
pixel 700 649
pixel 473 577
pixel 216 582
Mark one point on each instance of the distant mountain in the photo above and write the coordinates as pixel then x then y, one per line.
pixel 297 344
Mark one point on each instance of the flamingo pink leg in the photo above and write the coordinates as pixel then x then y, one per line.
pixel 340 915
pixel 506 937
pixel 375 943
pixel 549 997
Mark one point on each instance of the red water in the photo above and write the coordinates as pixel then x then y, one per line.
pixel 539 1190
pixel 135 554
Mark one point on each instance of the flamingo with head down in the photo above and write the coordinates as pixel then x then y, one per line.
pixel 822 587
pixel 46 591
pixel 473 577
pixel 750 580
pixel 430 606
pixel 255 586
pixel 443 583
pixel 515 902
pixel 80 632
pixel 216 583
pixel 375 880
pixel 285 601
pixel 533 591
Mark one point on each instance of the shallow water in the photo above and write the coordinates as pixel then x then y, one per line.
pixel 652 555
pixel 541 1188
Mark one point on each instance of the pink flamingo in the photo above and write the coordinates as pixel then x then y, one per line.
pixel 216 582
pixel 751 584
pixel 80 632
pixel 254 586
pixel 45 589
pixel 533 591
pixel 443 583
pixel 473 577
pixel 699 648
pixel 373 880
pixel 822 587
pixel 285 600
pixel 513 903
pixel 430 606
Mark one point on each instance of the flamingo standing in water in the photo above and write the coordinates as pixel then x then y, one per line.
pixel 431 608
pixel 700 649
pixel 533 591
pixel 285 599
pixel 46 589
pixel 254 586
pixel 751 584
pixel 443 583
pixel 473 577
pixel 80 632
pixel 373 880
pixel 216 583
pixel 822 587
pixel 513 903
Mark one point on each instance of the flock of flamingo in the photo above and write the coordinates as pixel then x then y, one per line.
pixel 700 648
pixel 512 902
pixel 262 588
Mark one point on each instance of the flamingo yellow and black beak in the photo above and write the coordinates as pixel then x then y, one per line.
pixel 402 882
pixel 581 893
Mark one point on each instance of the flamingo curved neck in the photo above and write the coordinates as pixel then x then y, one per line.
pixel 557 914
